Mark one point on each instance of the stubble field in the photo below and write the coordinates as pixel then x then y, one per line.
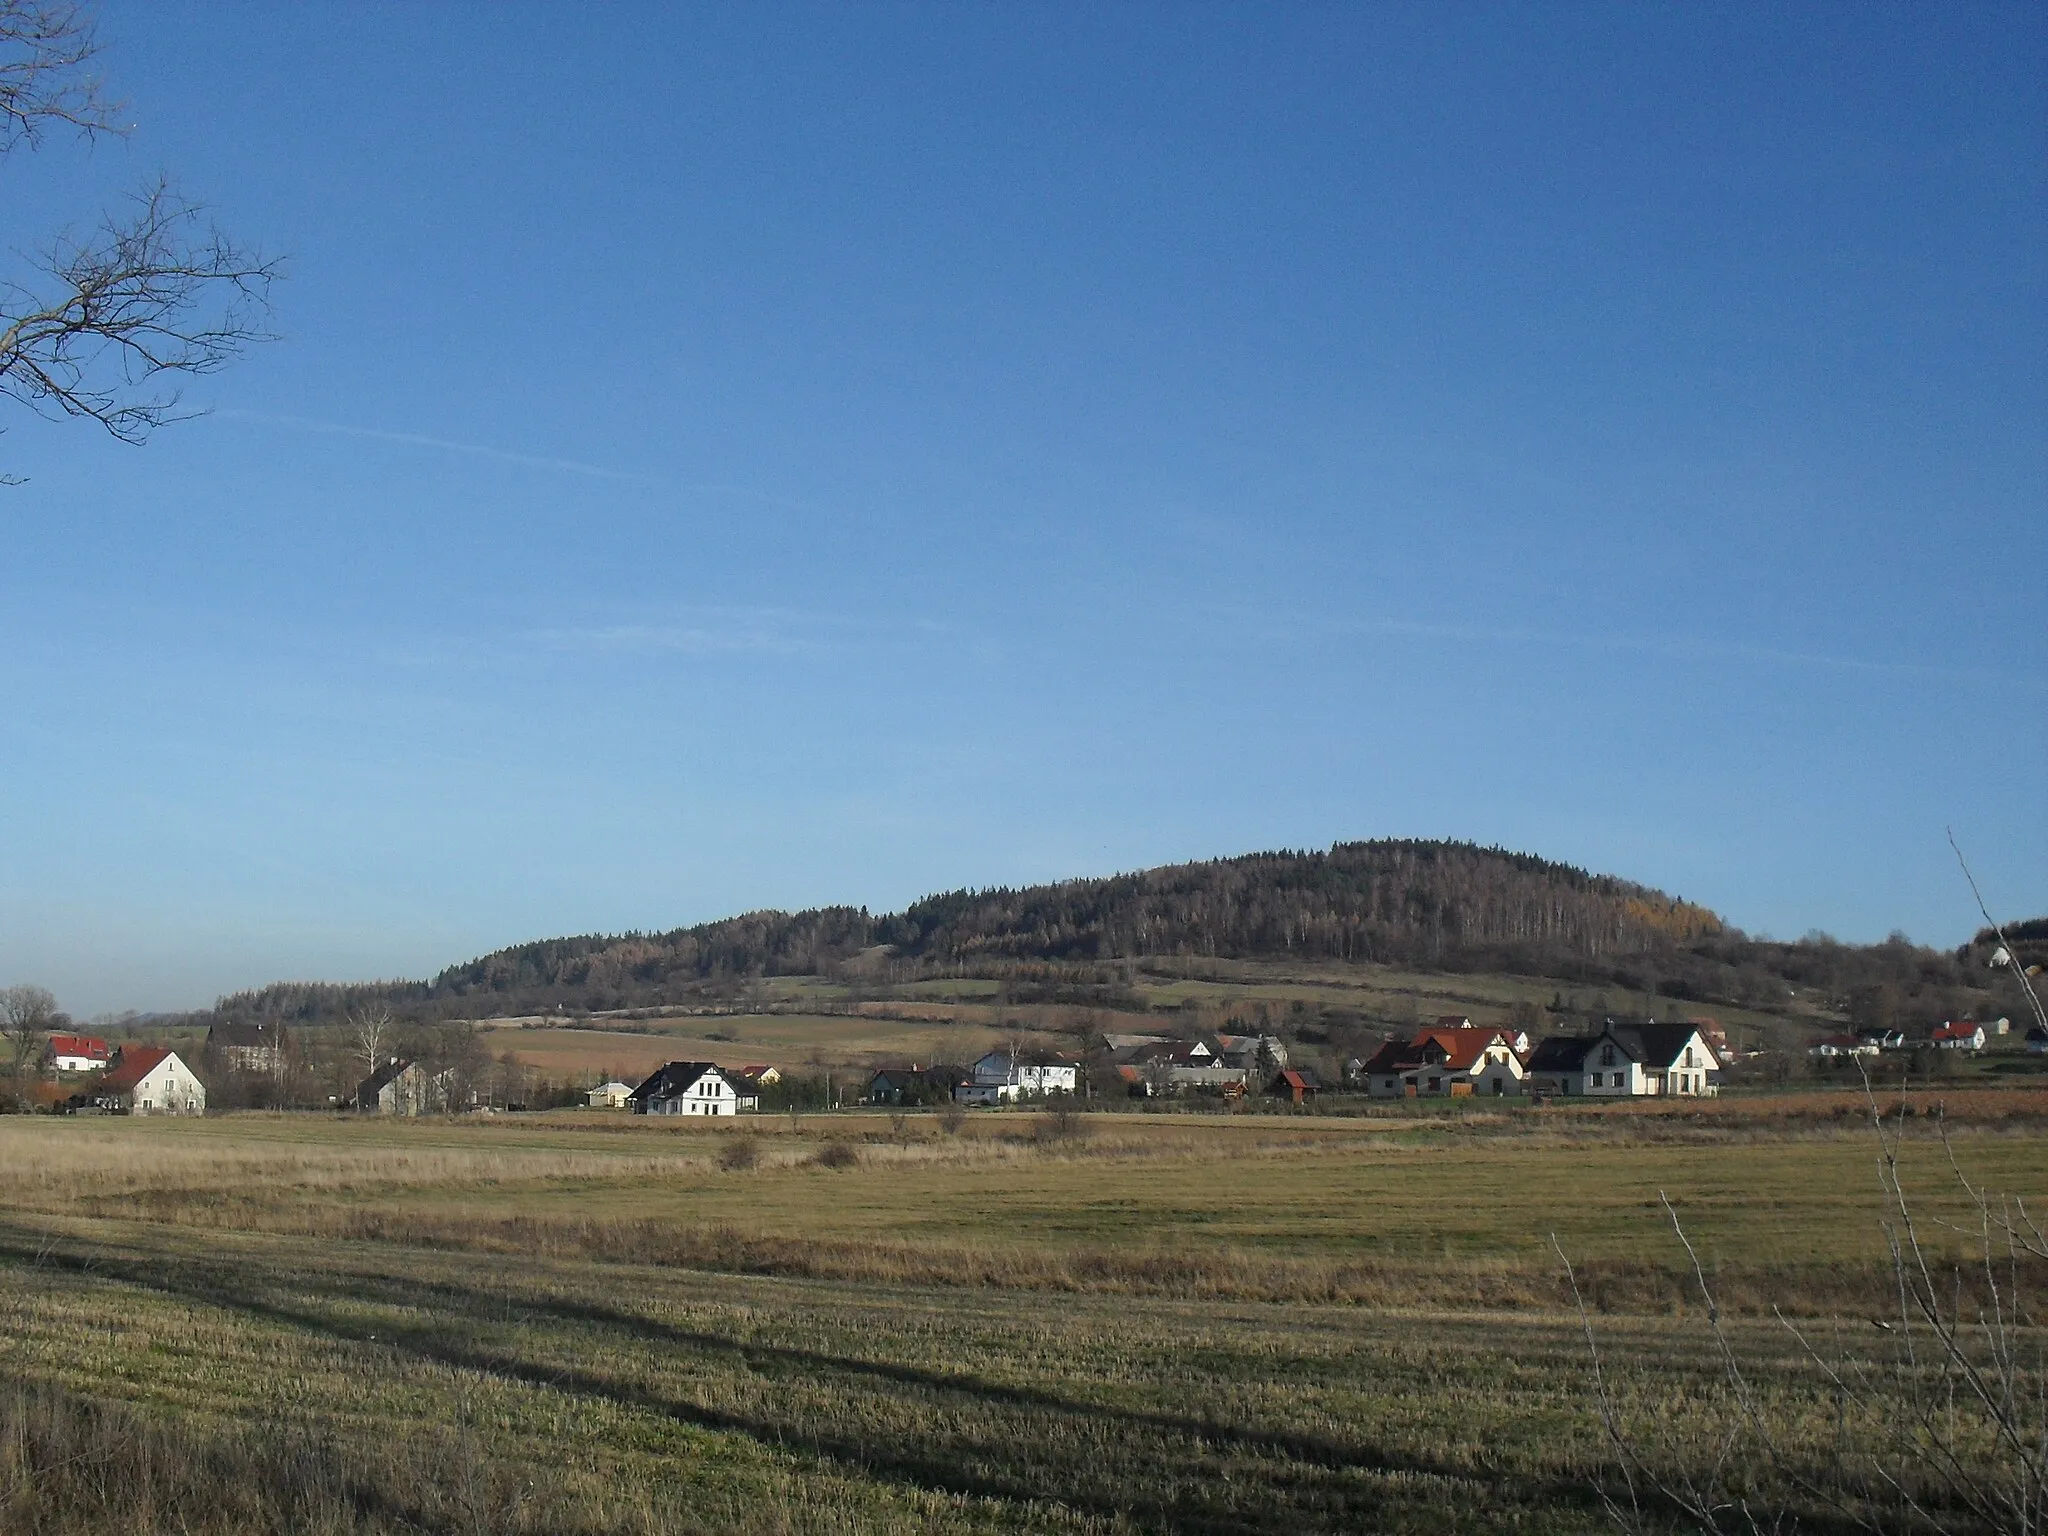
pixel 588 1323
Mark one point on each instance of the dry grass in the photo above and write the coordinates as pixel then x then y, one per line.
pixel 1248 1324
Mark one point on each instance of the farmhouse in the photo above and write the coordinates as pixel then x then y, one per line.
pixel 1960 1035
pixel 149 1080
pixel 1003 1077
pixel 610 1095
pixel 1842 1045
pixel 77 1053
pixel 689 1088
pixel 760 1073
pixel 1627 1060
pixel 257 1047
pixel 1445 1061
pixel 403 1088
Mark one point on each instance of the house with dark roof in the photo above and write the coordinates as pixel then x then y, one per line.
pixel 691 1088
pixel 401 1087
pixel 1627 1060
pixel 149 1080
pixel 1006 1076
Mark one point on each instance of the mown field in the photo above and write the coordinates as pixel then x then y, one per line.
pixel 864 1323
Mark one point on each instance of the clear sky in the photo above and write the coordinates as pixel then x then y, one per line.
pixel 753 456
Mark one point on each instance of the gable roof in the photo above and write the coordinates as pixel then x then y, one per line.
pixel 79 1045
pixel 677 1078
pixel 376 1081
pixel 1463 1047
pixel 137 1062
pixel 1298 1077
pixel 1560 1053
pixel 1959 1029
pixel 1657 1045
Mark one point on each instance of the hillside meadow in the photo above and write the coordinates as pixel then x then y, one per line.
pixel 587 1322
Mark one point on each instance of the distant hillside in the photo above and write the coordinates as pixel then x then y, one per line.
pixel 1427 903
pixel 1378 901
pixel 1441 906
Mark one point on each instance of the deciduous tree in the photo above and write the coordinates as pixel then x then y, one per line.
pixel 101 326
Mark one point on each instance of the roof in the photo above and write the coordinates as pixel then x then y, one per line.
pixel 1298 1078
pixel 376 1082
pixel 677 1077
pixel 137 1062
pixel 78 1045
pixel 1655 1045
pixel 1463 1047
pixel 1841 1042
pixel 1959 1029
pixel 1560 1053
pixel 1394 1056
pixel 611 1086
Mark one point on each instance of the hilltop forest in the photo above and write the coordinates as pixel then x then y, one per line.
pixel 1428 905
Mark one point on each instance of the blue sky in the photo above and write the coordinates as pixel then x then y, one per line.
pixel 733 457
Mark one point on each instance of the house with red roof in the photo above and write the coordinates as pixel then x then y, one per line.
pixel 1960 1035
pixel 1446 1061
pixel 77 1053
pixel 1297 1085
pixel 149 1080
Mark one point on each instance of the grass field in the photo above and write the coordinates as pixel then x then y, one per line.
pixel 791 1041
pixel 1243 1323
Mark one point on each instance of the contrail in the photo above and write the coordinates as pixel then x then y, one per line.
pixel 421 440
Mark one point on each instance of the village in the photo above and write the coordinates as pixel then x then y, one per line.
pixel 1450 1059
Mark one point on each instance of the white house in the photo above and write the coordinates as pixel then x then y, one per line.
pixel 1844 1045
pixel 610 1095
pixel 1627 1060
pixel 78 1053
pixel 1445 1062
pixel 1003 1077
pixel 149 1080
pixel 401 1087
pixel 1961 1035
pixel 688 1088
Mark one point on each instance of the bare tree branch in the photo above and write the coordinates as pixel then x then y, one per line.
pixel 46 50
pixel 97 323
pixel 157 292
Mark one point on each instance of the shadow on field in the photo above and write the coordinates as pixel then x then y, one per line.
pixel 974 1437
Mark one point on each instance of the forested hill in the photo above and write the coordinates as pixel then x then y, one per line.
pixel 1428 903
pixel 1407 901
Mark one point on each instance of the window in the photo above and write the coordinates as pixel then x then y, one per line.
pixel 1606 1055
pixel 1599 1080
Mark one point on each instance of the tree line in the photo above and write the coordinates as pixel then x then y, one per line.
pixel 1433 905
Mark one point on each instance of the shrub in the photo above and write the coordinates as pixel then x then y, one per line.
pixel 739 1153
pixel 836 1154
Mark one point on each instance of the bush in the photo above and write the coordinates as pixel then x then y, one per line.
pixel 836 1154
pixel 739 1153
